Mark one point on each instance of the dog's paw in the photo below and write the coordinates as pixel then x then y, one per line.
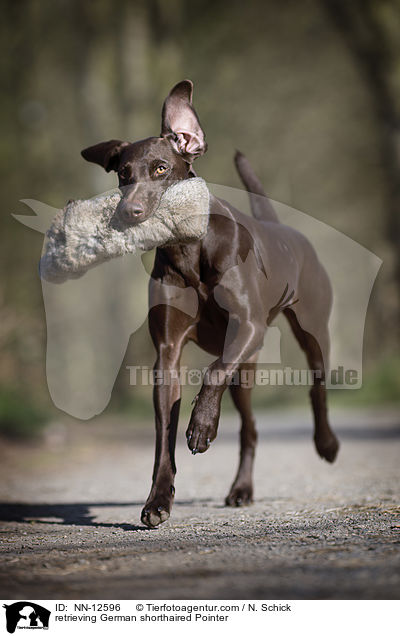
pixel 199 435
pixel 203 426
pixel 327 447
pixel 156 511
pixel 240 496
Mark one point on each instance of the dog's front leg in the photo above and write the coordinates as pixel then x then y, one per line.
pixel 167 396
pixel 168 328
pixel 203 425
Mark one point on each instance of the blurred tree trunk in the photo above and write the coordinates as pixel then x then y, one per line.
pixel 371 32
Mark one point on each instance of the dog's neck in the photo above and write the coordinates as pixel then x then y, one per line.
pixel 189 262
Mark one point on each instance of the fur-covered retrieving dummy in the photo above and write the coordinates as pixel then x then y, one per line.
pixel 87 233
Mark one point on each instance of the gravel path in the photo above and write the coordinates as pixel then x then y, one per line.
pixel 71 507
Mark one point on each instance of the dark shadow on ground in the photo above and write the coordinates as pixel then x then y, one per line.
pixel 73 514
pixel 343 432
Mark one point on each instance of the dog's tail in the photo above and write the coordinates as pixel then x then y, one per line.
pixel 261 206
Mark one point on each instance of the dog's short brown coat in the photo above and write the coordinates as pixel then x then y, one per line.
pixel 245 271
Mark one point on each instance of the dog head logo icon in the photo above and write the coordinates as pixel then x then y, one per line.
pixel 26 615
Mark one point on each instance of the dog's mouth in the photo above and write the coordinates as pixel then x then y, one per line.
pixel 87 233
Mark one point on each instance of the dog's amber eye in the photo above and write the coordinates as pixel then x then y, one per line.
pixel 160 170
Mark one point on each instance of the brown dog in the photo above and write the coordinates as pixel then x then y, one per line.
pixel 245 271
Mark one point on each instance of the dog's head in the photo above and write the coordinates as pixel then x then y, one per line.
pixel 146 168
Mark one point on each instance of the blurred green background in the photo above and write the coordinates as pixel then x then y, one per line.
pixel 310 91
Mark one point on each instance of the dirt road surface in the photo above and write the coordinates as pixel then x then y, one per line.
pixel 70 514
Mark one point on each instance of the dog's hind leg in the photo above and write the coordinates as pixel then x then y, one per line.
pixel 241 492
pixel 316 352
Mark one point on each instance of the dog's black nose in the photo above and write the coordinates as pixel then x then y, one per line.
pixel 135 208
pixel 130 212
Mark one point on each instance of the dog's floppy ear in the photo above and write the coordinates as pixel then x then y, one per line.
pixel 106 153
pixel 180 124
